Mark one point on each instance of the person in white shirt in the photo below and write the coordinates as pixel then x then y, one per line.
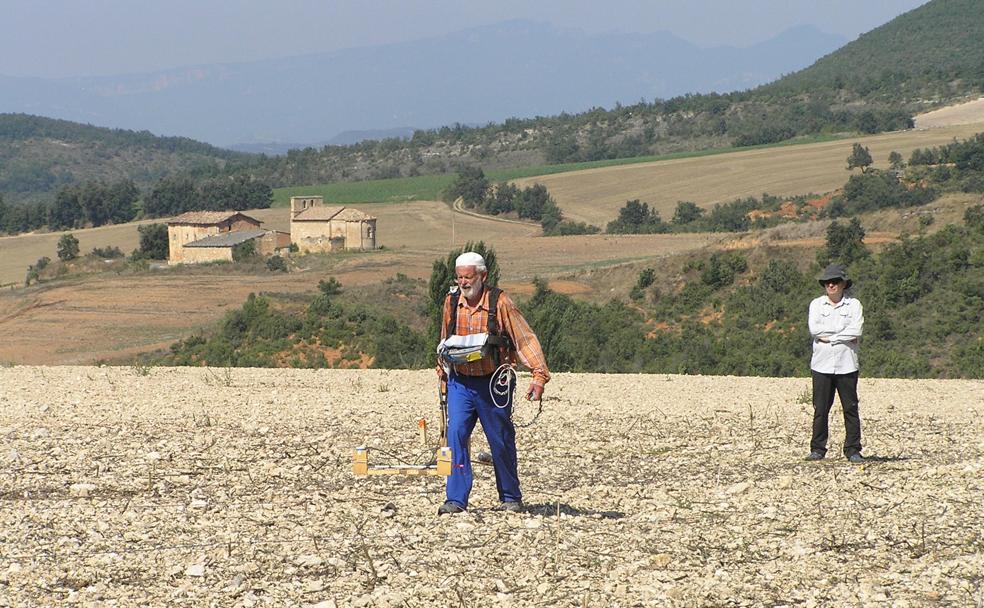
pixel 835 321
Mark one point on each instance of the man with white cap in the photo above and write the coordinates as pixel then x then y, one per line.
pixel 480 387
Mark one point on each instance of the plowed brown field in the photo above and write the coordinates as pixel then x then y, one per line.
pixel 211 487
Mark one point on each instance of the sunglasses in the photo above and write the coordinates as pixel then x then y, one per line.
pixel 832 282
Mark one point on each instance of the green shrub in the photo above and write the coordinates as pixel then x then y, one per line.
pixel 244 251
pixel 637 218
pixel 276 263
pixel 153 242
pixel 68 247
pixel 34 270
pixel 722 268
pixel 107 253
pixel 330 287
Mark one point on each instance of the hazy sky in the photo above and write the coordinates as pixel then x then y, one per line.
pixel 55 38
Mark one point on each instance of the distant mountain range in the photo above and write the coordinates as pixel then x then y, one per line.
pixel 511 69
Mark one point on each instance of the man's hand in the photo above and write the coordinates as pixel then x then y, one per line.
pixel 535 393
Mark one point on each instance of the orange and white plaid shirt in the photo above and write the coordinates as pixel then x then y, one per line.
pixel 476 321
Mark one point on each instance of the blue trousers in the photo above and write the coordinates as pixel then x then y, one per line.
pixel 469 400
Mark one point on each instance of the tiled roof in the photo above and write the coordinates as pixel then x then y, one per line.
pixel 351 215
pixel 227 239
pixel 318 214
pixel 208 217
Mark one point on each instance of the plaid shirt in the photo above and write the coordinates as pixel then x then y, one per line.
pixel 511 321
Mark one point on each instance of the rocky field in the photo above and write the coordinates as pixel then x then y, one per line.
pixel 212 487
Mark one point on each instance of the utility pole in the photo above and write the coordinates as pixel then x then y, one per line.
pixel 452 223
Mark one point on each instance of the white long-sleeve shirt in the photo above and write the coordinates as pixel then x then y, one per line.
pixel 841 324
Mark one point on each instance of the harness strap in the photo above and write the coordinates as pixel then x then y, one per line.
pixel 453 319
pixel 497 338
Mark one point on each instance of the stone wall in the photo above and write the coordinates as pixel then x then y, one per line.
pixel 178 236
pixel 201 255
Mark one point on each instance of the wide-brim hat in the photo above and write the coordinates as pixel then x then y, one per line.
pixel 835 271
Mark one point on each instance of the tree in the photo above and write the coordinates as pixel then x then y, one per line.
pixel 637 218
pixel 121 201
pixel 66 212
pixel 503 199
pixel 330 287
pixel 646 278
pixel 974 217
pixel 34 270
pixel 533 202
pixel 238 194
pixel 153 242
pixel 879 189
pixel 470 185
pixel 687 213
pixel 867 122
pixel 895 161
pixel 730 217
pixel 276 264
pixel 860 157
pixel 22 217
pixel 92 199
pixel 68 247
pixel 844 244
pixel 171 196
pixel 111 252
pixel 721 269
pixel 244 251
pixel 780 276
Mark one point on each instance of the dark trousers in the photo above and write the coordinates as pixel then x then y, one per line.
pixel 469 401
pixel 846 386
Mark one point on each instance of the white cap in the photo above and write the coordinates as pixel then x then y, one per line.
pixel 470 258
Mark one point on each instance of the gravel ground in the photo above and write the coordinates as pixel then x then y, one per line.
pixel 213 487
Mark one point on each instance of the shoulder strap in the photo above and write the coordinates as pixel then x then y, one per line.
pixel 493 309
pixel 453 319
pixel 497 337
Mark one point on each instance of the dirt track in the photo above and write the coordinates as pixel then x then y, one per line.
pixel 132 487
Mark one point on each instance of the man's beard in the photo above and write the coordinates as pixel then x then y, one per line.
pixel 473 291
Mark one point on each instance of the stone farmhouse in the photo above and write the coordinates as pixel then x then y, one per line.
pixel 210 236
pixel 317 228
pixel 197 237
